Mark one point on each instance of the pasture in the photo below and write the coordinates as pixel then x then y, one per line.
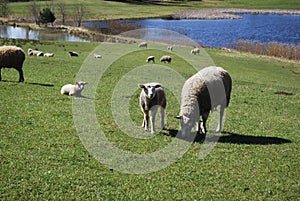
pixel 43 156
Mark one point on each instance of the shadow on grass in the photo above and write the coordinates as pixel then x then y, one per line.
pixel 29 83
pixel 233 138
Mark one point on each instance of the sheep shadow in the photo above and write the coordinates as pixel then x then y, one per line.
pixel 233 138
pixel 29 83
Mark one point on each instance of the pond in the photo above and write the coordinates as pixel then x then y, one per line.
pixel 223 33
pixel 25 33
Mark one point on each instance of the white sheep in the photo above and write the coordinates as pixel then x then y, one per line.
pixel 170 48
pixel 150 58
pixel 166 59
pixel 73 90
pixel 200 94
pixel 12 57
pixel 152 96
pixel 97 56
pixel 49 54
pixel 195 51
pixel 32 52
pixel 143 44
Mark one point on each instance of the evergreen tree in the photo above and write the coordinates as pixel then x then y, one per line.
pixel 46 16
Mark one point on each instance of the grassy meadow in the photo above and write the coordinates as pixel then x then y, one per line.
pixel 103 9
pixel 43 157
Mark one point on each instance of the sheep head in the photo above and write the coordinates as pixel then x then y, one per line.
pixel 149 89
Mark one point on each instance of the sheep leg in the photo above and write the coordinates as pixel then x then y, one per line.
pixel 152 118
pixel 203 123
pixel 219 129
pixel 162 115
pixel 145 120
pixel 21 76
pixel 0 75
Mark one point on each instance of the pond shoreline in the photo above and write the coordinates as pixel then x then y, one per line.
pixel 227 13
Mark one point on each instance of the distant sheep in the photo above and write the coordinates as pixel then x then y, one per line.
pixel 195 51
pixel 37 53
pixel 97 56
pixel 73 90
pixel 202 93
pixel 150 58
pixel 73 54
pixel 170 48
pixel 152 96
pixel 12 57
pixel 143 44
pixel 48 55
pixel 166 59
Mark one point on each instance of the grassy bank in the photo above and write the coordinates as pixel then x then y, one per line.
pixel 42 157
pixel 101 9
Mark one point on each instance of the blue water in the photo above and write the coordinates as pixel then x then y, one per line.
pixel 223 33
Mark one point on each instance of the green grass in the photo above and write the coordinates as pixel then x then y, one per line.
pixel 101 9
pixel 42 157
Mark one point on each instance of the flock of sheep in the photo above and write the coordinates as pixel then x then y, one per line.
pixel 201 93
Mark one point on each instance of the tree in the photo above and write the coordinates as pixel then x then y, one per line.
pixel 46 16
pixel 62 10
pixel 34 9
pixel 78 13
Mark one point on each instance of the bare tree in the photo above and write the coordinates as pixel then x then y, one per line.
pixel 4 10
pixel 34 9
pixel 79 10
pixel 63 11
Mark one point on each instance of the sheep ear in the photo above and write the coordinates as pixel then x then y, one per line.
pixel 178 117
pixel 141 86
pixel 158 85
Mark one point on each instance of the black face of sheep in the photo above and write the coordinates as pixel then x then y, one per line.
pixel 73 54
pixel 12 57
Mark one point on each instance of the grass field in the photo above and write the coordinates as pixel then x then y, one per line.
pixel 43 158
pixel 102 9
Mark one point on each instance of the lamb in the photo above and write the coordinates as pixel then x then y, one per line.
pixel 166 59
pixel 12 57
pixel 150 58
pixel 49 54
pixel 73 54
pixel 202 93
pixel 143 44
pixel 195 51
pixel 73 90
pixel 152 96
pixel 32 52
pixel 170 48
pixel 97 56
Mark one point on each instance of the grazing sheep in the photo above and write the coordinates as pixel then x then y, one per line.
pixel 12 57
pixel 48 55
pixel 170 48
pixel 150 58
pixel 37 53
pixel 152 96
pixel 97 56
pixel 166 59
pixel 73 54
pixel 202 93
pixel 195 51
pixel 73 90
pixel 143 44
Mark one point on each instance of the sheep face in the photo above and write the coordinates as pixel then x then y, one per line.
pixel 81 84
pixel 149 89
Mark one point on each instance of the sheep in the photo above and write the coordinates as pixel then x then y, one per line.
pixel 150 58
pixel 12 57
pixel 48 55
pixel 73 54
pixel 202 93
pixel 152 96
pixel 195 51
pixel 97 56
pixel 143 44
pixel 73 90
pixel 170 48
pixel 32 52
pixel 166 59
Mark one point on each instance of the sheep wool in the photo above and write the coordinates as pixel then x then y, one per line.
pixel 73 90
pixel 12 57
pixel 201 93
